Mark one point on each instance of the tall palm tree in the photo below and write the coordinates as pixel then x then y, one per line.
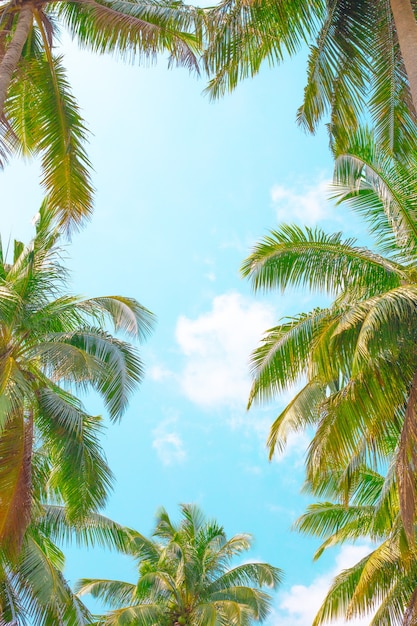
pixel 358 356
pixel 51 345
pixel 382 585
pixel 361 53
pixel 38 113
pixel 186 578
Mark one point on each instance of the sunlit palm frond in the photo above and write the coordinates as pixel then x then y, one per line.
pixel 93 530
pixel 338 68
pixel 292 256
pixel 125 313
pixel 390 105
pixel 135 29
pixel 51 351
pixel 243 34
pixel 380 189
pixel 111 592
pixel 302 411
pixel 186 575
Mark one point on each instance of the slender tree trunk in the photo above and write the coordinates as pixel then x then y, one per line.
pixel 16 447
pixel 406 27
pixel 410 617
pixel 406 465
pixel 14 50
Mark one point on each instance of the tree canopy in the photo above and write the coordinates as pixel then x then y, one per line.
pixel 357 357
pixel 51 346
pixel 187 577
pixel 356 66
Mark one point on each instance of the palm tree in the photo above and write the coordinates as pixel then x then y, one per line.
pixel 361 53
pixel 384 582
pixel 38 113
pixel 186 578
pixel 358 356
pixel 51 345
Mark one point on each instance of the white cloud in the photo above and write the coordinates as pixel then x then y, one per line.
pixel 308 207
pixel 158 373
pixel 168 443
pixel 217 345
pixel 300 604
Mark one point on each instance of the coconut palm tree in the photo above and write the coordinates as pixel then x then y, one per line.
pixel 51 345
pixel 38 113
pixel 357 356
pixel 382 585
pixel 360 53
pixel 186 578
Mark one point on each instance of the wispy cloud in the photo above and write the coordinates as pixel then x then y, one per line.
pixel 300 604
pixel 158 373
pixel 217 345
pixel 307 205
pixel 168 443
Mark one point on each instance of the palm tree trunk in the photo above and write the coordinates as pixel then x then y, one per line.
pixel 16 447
pixel 410 617
pixel 406 27
pixel 14 51
pixel 406 464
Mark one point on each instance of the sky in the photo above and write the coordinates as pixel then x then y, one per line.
pixel 184 189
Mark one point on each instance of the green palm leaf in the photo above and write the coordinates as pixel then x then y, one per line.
pixel 185 576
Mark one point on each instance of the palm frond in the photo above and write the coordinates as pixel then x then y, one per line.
pixel 310 258
pixel 135 29
pixel 47 120
pixel 244 34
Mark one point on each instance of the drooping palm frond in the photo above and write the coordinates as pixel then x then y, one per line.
pixel 310 258
pixel 355 69
pixel 136 29
pixel 390 104
pixel 243 34
pixel 38 113
pixel 380 189
pixel 338 67
pixel 45 118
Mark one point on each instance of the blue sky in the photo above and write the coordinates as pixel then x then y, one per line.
pixel 185 187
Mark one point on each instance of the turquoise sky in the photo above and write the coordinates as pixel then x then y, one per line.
pixel 185 187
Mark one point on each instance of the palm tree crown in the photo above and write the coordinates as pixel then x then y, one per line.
pixel 186 578
pixel 52 345
pixel 358 356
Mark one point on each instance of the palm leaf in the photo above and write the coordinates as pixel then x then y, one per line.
pixel 135 29
pixel 50 123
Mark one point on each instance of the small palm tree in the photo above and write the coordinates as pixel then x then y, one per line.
pixel 359 354
pixel 51 345
pixel 186 578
